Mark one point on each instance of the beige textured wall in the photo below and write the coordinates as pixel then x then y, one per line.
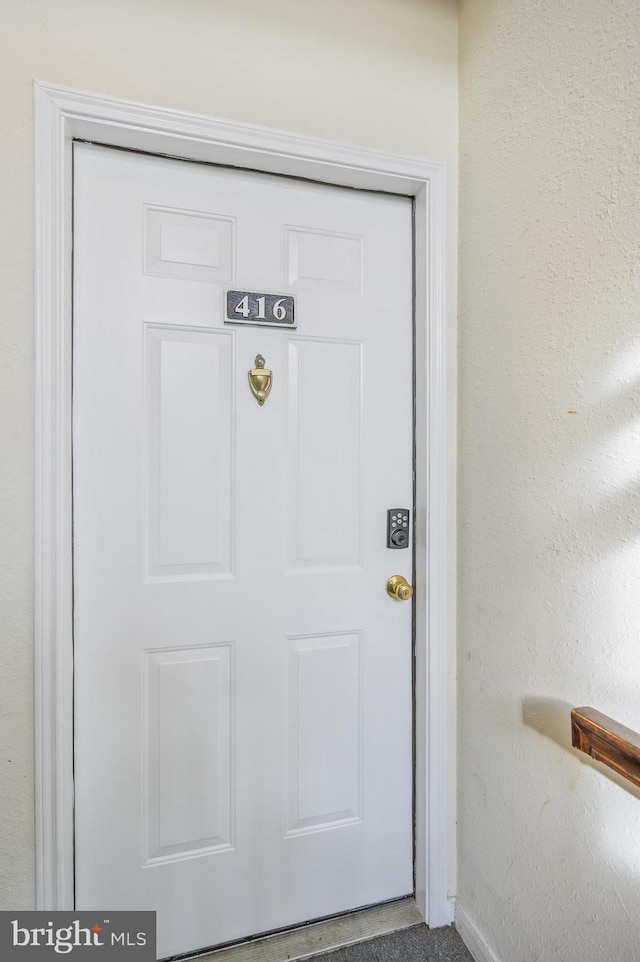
pixel 549 329
pixel 381 73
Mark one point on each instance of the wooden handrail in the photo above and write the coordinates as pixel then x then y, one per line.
pixel 607 741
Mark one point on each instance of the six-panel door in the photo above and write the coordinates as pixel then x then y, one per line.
pixel 242 680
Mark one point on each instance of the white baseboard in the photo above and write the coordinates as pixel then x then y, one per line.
pixel 472 938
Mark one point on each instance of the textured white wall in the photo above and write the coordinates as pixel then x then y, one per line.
pixel 549 330
pixel 381 73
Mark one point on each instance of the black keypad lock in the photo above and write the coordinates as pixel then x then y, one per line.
pixel 398 528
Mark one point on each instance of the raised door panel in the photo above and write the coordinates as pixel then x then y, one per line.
pixel 325 428
pixel 189 245
pixel 324 767
pixel 188 754
pixel 189 471
pixel 324 261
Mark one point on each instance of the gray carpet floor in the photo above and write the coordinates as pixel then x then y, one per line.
pixel 416 944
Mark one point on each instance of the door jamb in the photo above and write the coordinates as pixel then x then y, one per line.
pixel 64 114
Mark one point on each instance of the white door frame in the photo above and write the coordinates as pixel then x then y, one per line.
pixel 62 115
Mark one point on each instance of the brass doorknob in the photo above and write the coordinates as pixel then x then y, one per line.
pixel 399 588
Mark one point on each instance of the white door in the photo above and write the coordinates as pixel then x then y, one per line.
pixel 243 686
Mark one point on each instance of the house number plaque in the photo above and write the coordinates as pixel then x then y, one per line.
pixel 253 307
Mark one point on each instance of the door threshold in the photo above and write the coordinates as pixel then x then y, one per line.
pixel 317 938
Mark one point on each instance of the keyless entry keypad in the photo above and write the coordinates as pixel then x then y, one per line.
pixel 398 528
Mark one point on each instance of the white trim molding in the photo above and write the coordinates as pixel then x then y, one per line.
pixel 474 941
pixel 62 115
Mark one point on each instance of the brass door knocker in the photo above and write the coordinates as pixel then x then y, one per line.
pixel 260 379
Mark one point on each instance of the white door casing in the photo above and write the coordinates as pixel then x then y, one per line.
pixel 243 683
pixel 61 115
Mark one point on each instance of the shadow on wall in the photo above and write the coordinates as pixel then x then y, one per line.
pixel 551 717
